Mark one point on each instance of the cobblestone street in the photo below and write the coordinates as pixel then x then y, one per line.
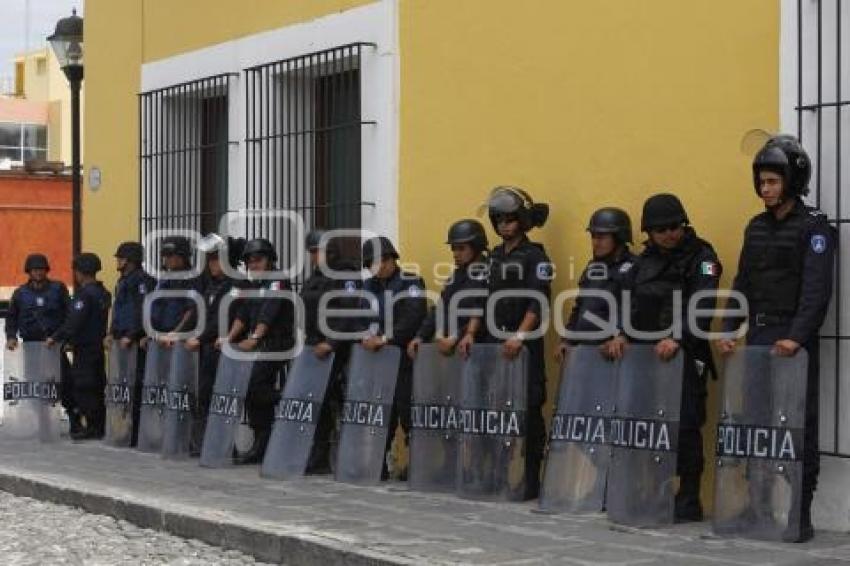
pixel 36 532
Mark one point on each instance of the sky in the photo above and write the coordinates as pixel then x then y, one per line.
pixel 14 35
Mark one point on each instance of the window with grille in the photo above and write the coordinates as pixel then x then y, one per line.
pixel 818 63
pixel 183 164
pixel 303 145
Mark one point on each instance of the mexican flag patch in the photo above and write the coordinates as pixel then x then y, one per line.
pixel 709 268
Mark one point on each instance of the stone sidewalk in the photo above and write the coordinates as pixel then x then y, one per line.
pixel 319 521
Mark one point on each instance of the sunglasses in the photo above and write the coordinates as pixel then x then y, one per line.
pixel 665 228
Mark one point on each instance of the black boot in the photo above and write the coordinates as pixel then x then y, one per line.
pixel 688 505
pixel 255 454
pixel 806 531
pixel 75 425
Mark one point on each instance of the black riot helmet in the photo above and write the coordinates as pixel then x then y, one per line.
pixel 176 245
pixel 375 246
pixel 131 251
pixel 610 220
pixel 663 209
pixel 783 155
pixel 36 261
pixel 87 264
pixel 515 201
pixel 314 237
pixel 259 246
pixel 213 243
pixel 470 232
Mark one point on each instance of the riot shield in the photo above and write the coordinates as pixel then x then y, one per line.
pixel 434 420
pixel 576 470
pixel 364 425
pixel 153 401
pixel 492 427
pixel 31 393
pixel 644 435
pixel 297 416
pixel 758 484
pixel 120 382
pixel 181 396
pixel 227 408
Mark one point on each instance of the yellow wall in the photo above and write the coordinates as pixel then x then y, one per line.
pixel 585 104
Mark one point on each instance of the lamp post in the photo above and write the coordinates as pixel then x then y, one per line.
pixel 67 43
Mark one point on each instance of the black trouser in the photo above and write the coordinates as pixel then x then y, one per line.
pixel 208 358
pixel 141 356
pixel 262 395
pixel 400 413
pixel 329 414
pixel 87 381
pixel 535 425
pixel 690 462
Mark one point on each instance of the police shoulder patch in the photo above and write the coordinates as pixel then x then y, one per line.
pixel 545 270
pixel 142 289
pixel 350 286
pixel 39 301
pixel 414 291
pixel 818 243
pixel 626 266
pixel 79 304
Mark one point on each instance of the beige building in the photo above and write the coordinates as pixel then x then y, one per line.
pixel 35 117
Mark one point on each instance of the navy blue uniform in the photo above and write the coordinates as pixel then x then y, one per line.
pixel 314 289
pixel 168 312
pixel 84 330
pixel 130 292
pixel 526 267
pixel 279 316
pixel 785 270
pixel 691 267
pixel 466 278
pixel 36 312
pixel 611 276
pixel 406 292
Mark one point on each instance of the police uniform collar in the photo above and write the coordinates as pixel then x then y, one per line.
pixel 396 274
pixel 523 241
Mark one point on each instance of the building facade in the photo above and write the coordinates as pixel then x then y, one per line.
pixel 398 116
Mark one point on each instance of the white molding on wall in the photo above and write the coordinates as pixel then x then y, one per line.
pixel 373 23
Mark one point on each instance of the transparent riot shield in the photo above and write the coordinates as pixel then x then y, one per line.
pixel 576 470
pixel 365 421
pixel 120 382
pixel 758 481
pixel 153 401
pixel 297 416
pixel 181 396
pixel 434 420
pixel 644 435
pixel 31 392
pixel 227 408
pixel 492 427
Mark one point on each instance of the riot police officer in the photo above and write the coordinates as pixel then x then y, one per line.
pixel 519 264
pixel 468 242
pixel 170 314
pixel 406 293
pixel 331 272
pixel 84 330
pixel 264 324
pixel 126 327
pixel 37 308
pixel 676 260
pixel 785 271
pixel 214 284
pixel 610 235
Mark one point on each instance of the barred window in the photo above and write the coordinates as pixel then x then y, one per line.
pixel 184 141
pixel 303 145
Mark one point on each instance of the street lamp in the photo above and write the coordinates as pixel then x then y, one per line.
pixel 67 43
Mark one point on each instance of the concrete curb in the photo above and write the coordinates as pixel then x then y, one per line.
pixel 268 545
